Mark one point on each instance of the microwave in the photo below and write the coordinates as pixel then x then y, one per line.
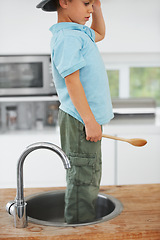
pixel 26 75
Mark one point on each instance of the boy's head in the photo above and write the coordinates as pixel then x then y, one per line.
pixel 78 11
pixel 53 5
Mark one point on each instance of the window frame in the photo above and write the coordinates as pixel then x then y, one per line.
pixel 123 63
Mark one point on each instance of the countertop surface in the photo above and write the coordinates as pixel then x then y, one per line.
pixel 140 218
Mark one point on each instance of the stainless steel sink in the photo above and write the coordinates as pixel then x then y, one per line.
pixel 48 209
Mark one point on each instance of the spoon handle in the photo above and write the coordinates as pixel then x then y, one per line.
pixel 114 137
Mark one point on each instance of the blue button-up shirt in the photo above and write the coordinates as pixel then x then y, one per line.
pixel 73 48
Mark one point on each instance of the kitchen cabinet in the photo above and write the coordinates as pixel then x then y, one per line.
pixel 42 168
pixel 108 162
pixel 122 163
pixel 136 165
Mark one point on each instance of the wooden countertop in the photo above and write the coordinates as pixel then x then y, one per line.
pixel 140 218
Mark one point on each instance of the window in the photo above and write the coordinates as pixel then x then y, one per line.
pixel 134 75
pixel 113 77
pixel 145 82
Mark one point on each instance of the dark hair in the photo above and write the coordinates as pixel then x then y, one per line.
pixel 56 2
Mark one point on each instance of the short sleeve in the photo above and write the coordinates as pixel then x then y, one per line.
pixel 67 55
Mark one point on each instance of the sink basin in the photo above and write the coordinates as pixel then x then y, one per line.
pixel 48 209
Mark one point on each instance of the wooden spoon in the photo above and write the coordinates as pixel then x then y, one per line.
pixel 138 142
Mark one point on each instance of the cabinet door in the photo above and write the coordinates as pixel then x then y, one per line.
pixel 139 165
pixel 108 162
pixel 42 167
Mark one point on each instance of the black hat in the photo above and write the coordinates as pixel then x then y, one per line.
pixel 47 5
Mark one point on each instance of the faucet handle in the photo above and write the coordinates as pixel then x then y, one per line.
pixel 10 207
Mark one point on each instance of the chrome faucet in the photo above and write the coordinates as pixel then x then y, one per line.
pixel 18 207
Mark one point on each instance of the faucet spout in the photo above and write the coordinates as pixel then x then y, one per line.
pixel 29 149
pixel 19 211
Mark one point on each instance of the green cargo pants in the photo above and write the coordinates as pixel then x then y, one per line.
pixel 83 179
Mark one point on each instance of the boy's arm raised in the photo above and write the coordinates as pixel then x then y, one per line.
pixel 79 100
pixel 98 24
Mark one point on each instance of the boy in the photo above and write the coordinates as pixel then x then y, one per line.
pixel 82 86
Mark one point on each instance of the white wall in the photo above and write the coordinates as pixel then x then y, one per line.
pixel 132 26
pixel 24 28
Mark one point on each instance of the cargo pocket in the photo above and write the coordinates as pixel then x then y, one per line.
pixel 97 173
pixel 83 167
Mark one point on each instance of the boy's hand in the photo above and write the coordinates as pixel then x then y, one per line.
pixel 98 24
pixel 96 3
pixel 93 131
